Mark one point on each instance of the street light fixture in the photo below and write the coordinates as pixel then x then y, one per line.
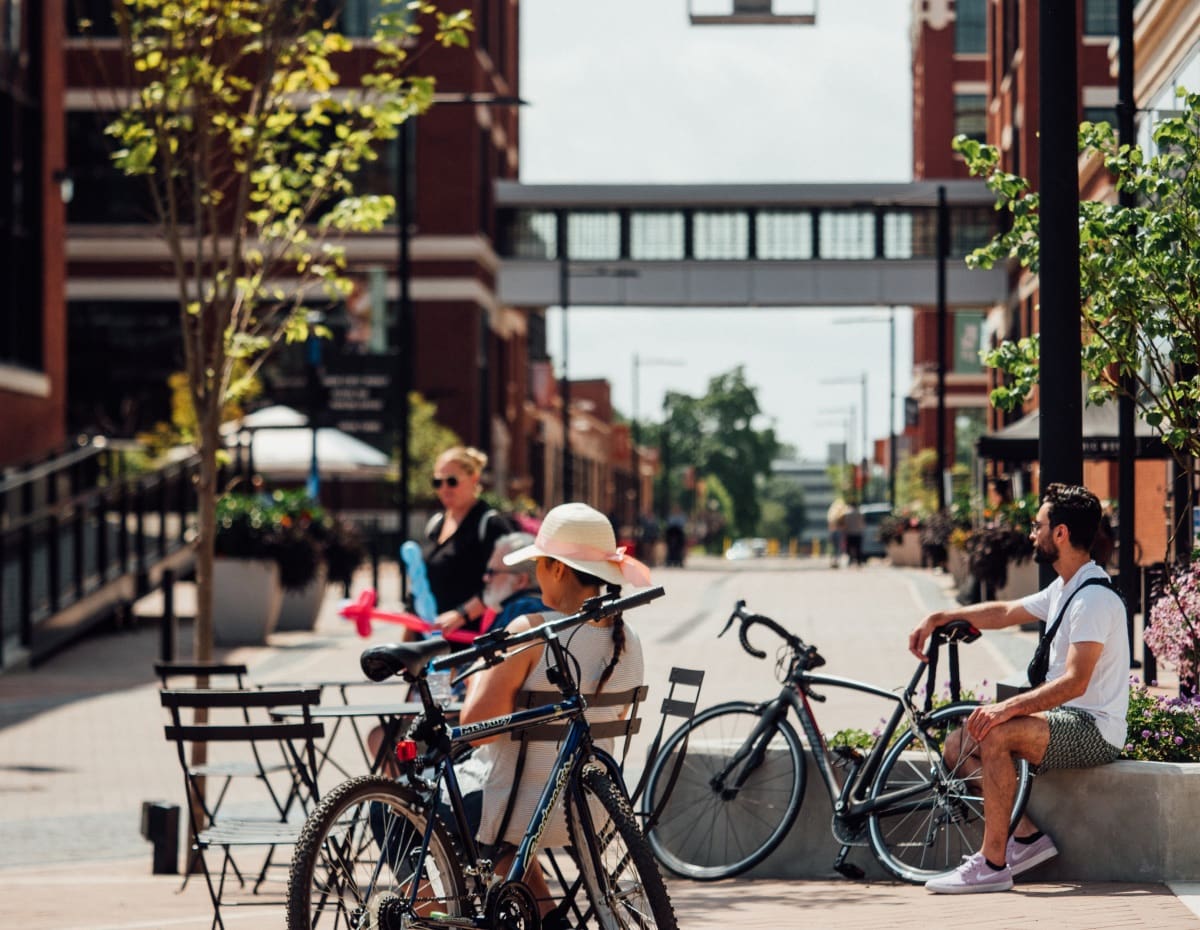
pixel 862 380
pixel 891 322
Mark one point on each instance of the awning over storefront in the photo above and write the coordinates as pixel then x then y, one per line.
pixel 1018 442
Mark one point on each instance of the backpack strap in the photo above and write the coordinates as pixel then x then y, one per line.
pixel 483 522
pixel 1050 633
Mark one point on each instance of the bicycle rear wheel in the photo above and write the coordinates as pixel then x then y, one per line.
pixel 622 880
pixel 940 819
pixel 356 863
pixel 738 793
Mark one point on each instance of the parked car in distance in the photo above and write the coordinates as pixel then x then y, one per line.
pixel 873 515
pixel 746 549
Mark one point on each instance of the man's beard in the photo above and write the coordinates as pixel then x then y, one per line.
pixel 495 595
pixel 1045 556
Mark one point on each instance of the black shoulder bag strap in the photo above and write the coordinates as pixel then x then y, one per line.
pixel 1039 665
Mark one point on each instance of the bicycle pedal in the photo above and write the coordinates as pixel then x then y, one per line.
pixel 851 871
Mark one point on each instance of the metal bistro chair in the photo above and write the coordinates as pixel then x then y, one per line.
pixel 297 743
pixel 208 675
pixel 674 706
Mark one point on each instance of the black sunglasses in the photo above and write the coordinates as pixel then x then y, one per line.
pixel 451 480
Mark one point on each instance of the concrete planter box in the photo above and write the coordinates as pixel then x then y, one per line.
pixel 1124 822
pixel 246 600
pixel 907 552
pixel 1022 580
pixel 958 564
pixel 301 606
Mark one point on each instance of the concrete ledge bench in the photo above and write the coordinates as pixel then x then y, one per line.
pixel 1126 822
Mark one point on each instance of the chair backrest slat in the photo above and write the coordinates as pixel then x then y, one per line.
pixel 233 732
pixel 266 697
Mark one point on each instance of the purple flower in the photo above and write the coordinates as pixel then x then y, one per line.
pixel 1179 741
pixel 1145 734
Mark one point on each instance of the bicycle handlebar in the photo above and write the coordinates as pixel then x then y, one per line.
pixel 384 661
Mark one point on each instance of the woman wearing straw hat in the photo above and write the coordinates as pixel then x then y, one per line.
pixel 577 556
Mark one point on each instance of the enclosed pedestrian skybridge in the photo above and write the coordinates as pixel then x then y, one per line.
pixel 730 245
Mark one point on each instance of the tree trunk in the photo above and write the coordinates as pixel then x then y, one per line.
pixel 206 513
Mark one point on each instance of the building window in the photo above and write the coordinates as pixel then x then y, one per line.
pixel 91 18
pixel 102 192
pixel 20 187
pixel 970 27
pixel 1101 115
pixel 1100 17
pixel 970 116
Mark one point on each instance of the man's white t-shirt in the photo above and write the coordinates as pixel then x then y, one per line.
pixel 1094 616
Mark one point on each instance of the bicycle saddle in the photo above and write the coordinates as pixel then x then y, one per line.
pixel 382 662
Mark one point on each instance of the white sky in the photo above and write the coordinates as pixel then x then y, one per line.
pixel 628 91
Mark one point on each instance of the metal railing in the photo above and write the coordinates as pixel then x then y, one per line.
pixel 71 529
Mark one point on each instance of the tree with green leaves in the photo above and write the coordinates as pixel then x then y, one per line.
pixel 1139 274
pixel 251 145
pixel 717 434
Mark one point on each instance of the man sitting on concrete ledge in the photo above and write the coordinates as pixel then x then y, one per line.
pixel 1073 717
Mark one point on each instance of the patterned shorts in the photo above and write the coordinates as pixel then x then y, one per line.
pixel 1075 742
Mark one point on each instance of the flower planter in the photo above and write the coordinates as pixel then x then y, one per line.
pixel 958 565
pixel 301 606
pixel 907 552
pixel 1022 580
pixel 246 600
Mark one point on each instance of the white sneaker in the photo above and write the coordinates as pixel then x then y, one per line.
pixel 1024 856
pixel 974 876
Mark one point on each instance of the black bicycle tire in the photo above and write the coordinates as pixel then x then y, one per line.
pixel 325 823
pixel 680 861
pixel 580 825
pixel 967 810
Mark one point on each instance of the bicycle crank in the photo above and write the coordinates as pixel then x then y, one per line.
pixel 512 906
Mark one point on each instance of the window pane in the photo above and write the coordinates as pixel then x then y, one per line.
pixel 784 235
pixel 656 236
pixel 970 116
pixel 533 234
pixel 721 236
pixel 970 27
pixel 594 235
pixel 1100 17
pixel 847 234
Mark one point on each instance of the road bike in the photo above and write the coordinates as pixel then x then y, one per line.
pixel 743 777
pixel 375 854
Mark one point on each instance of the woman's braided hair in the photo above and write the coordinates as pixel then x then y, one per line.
pixel 618 627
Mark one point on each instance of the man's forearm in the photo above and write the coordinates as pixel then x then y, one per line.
pixel 990 615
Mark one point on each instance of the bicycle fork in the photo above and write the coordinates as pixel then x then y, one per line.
pixel 752 752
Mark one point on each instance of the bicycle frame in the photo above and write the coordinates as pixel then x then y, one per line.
pixel 576 746
pixel 848 800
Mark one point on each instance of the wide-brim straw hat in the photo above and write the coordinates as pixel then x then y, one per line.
pixel 581 537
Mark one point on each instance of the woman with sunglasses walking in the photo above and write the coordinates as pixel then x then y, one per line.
pixel 459 540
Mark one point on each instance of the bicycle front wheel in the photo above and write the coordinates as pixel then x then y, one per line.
pixel 358 861
pixel 738 793
pixel 938 818
pixel 623 884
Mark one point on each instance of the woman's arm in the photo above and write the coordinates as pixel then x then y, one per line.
pixel 494 692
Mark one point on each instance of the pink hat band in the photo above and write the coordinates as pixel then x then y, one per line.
pixel 633 571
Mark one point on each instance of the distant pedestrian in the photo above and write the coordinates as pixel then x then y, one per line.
pixel 855 526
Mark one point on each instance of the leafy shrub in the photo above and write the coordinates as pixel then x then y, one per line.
pixel 1162 729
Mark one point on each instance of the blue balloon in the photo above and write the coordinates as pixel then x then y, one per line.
pixel 418 581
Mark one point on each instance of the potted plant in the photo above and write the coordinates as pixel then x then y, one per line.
pixel 900 533
pixel 247 593
pixel 300 531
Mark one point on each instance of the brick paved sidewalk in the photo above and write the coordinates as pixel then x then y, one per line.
pixel 122 895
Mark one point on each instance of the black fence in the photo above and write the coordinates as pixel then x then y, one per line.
pixel 79 535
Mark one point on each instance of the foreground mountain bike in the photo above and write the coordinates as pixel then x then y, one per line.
pixel 376 855
pixel 742 781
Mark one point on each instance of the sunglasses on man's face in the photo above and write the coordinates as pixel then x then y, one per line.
pixel 451 481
